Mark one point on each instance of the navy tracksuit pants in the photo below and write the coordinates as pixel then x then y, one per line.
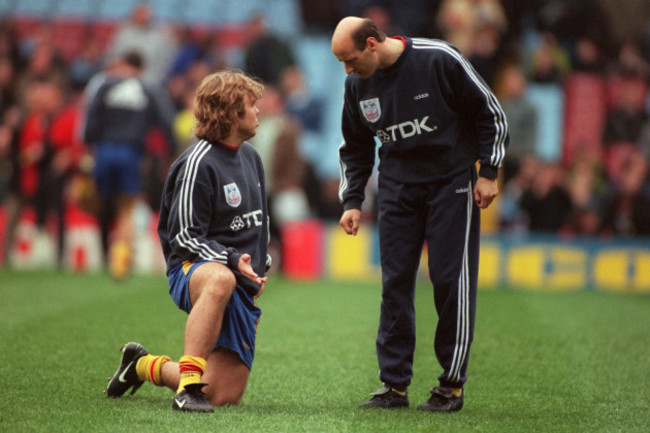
pixel 444 215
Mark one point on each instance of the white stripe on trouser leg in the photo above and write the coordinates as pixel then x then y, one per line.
pixel 462 319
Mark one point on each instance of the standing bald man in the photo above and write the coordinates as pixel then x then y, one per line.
pixel 435 118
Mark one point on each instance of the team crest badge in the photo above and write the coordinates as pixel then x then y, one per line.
pixel 371 109
pixel 233 196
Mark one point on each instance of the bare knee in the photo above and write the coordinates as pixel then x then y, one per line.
pixel 225 397
pixel 226 400
pixel 220 284
pixel 227 378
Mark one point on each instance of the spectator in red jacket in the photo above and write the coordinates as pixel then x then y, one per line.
pixel 48 149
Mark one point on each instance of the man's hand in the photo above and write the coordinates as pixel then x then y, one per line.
pixel 350 221
pixel 246 269
pixel 485 191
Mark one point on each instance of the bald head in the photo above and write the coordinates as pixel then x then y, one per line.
pixel 362 46
pixel 353 33
pixel 344 30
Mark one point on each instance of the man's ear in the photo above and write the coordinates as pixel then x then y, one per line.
pixel 371 44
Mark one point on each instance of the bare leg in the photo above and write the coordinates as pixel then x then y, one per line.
pixel 171 377
pixel 211 286
pixel 226 375
pixel 121 240
pixel 124 230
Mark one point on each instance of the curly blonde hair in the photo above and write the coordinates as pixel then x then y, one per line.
pixel 219 99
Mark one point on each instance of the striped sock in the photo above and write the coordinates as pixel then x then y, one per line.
pixel 191 369
pixel 149 368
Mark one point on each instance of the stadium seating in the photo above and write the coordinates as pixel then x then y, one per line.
pixel 69 37
pixel 103 32
pixel 585 112
pixel 284 15
pixel 572 118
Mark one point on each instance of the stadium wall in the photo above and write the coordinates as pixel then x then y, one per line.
pixel 516 262
pixel 315 249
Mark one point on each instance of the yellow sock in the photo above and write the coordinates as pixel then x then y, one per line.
pixel 191 369
pixel 456 391
pixel 149 368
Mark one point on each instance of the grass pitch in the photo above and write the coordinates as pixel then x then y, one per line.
pixel 541 362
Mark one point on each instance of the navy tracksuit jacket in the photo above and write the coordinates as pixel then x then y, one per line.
pixel 214 209
pixel 435 118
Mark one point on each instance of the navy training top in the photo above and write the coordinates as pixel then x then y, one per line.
pixel 123 111
pixel 433 115
pixel 214 209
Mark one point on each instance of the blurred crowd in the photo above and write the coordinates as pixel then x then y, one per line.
pixel 572 77
pixel 597 186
